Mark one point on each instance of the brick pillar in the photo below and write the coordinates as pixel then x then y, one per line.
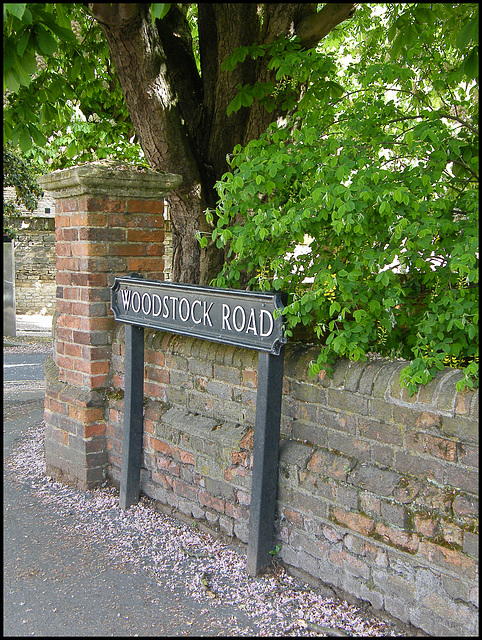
pixel 109 222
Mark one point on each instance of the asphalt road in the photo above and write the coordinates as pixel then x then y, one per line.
pixel 18 367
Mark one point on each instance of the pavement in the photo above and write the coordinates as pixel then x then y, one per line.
pixel 30 326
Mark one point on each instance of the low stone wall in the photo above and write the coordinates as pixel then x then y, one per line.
pixel 34 252
pixel 378 491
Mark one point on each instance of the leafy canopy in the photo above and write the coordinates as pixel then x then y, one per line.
pixel 62 100
pixel 363 203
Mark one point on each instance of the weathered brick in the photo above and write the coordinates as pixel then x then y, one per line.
pixel 427 444
pixel 468 454
pixel 185 490
pixel 160 446
pixel 210 501
pixel 346 497
pixel 394 514
pixel 354 521
pixel 146 206
pixel 331 533
pixel 374 479
pixel 307 393
pixel 424 525
pixel 395 585
pixel 93 203
pixel 443 616
pixel 145 236
pixel 471 544
pixel 418 466
pixel 347 444
pixel 462 427
pixel 452 533
pixel 427 420
pixel 165 464
pixel 466 506
pixel 380 431
pixel 370 504
pixel 336 420
pixel 347 401
pixel 464 479
pixel 449 559
pixel 347 563
pixel 354 544
pixel 383 455
pixel 400 539
pixel 240 514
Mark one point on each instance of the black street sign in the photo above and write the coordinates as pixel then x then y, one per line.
pixel 241 318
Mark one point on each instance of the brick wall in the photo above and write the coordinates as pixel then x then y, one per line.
pixel 34 256
pixel 378 491
pixel 108 221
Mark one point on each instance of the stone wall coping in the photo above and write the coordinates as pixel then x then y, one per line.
pixel 109 179
pixel 376 378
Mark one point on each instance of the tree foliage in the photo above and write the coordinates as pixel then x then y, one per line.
pixel 364 204
pixel 168 59
pixel 360 199
pixel 18 174
pixel 62 101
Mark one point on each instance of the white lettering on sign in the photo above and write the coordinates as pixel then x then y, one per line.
pixel 261 325
pixel 206 318
pixel 263 314
pixel 241 318
pixel 156 298
pixel 196 302
pixel 170 306
pixel 136 300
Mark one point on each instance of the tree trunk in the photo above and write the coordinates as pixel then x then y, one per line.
pixel 180 116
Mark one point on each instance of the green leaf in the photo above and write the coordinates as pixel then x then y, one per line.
pixel 397 46
pixel 159 11
pixel 10 80
pixel 22 43
pixel 25 141
pixel 21 75
pixel 28 63
pixel 471 64
pixel 334 308
pixel 38 137
pixel 15 9
pixel 46 41
pixel 467 34
pixel 234 105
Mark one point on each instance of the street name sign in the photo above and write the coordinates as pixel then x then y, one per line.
pixel 242 318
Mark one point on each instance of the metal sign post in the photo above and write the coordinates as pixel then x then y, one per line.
pixel 240 318
pixel 265 462
pixel 133 416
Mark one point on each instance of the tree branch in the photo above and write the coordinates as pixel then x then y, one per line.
pixel 316 26
pixel 113 15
